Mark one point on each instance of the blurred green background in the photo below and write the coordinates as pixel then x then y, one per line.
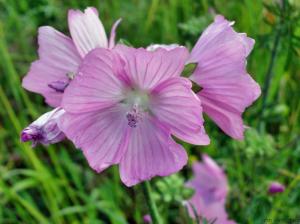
pixel 55 184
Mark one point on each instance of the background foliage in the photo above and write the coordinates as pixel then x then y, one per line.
pixel 55 184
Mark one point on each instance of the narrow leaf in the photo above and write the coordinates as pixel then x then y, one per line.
pixel 189 69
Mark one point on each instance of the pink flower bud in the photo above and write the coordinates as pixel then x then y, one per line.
pixel 276 187
pixel 147 218
pixel 45 129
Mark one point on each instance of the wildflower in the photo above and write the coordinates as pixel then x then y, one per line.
pixel 227 88
pixel 123 106
pixel 45 129
pixel 276 187
pixel 211 189
pixel 60 56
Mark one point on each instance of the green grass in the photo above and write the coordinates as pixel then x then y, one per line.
pixel 56 185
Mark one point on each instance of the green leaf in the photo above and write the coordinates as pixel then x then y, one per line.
pixel 189 69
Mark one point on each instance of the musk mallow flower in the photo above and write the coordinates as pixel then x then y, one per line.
pixel 60 55
pixel 227 88
pixel 211 189
pixel 124 105
pixel 45 129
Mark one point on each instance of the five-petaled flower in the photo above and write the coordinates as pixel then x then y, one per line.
pixel 60 56
pixel 124 105
pixel 226 87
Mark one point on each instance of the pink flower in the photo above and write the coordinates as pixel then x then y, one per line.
pixel 221 71
pixel 228 89
pixel 211 189
pixel 276 187
pixel 60 56
pixel 123 106
pixel 45 129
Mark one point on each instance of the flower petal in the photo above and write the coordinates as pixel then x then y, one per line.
pixel 175 104
pixel 221 72
pixel 101 135
pixel 219 34
pixel 151 151
pixel 147 69
pixel 112 36
pixel 214 212
pixel 58 56
pixel 209 180
pixel 225 102
pixel 95 86
pixel 211 189
pixel 86 30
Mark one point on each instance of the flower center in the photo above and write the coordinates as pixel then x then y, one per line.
pixel 137 104
pixel 133 117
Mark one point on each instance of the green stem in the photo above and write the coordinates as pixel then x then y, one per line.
pixel 151 204
pixel 269 74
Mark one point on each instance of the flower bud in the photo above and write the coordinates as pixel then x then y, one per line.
pixel 147 219
pixel 275 188
pixel 45 129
